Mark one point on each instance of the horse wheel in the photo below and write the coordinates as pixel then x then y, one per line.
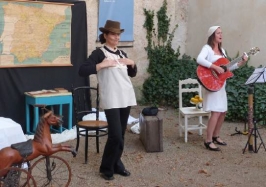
pixel 51 171
pixel 14 176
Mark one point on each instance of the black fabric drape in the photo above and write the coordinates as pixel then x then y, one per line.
pixel 15 81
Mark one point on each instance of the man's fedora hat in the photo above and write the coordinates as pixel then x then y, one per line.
pixel 111 26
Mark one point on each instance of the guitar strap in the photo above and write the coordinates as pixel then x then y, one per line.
pixel 223 54
pixel 224 67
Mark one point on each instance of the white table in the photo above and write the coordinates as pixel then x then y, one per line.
pixel 10 132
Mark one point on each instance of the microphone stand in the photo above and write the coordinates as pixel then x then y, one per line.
pixel 252 121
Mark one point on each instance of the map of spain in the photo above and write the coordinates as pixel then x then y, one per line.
pixel 34 34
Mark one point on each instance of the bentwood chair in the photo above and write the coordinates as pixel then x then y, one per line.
pixel 82 102
pixel 185 113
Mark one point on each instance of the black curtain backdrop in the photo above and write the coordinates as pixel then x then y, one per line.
pixel 15 81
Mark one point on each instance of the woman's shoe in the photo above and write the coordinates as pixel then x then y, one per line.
pixel 215 140
pixel 207 145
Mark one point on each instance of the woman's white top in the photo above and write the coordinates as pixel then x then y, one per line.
pixel 213 101
pixel 116 89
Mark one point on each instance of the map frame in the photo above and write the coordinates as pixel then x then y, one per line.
pixel 60 60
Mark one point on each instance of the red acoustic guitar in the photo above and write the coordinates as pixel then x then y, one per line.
pixel 213 81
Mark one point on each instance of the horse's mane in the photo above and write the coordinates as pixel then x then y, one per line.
pixel 39 130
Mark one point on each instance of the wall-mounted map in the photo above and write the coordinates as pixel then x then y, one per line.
pixel 34 34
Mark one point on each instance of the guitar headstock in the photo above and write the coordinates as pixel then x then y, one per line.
pixel 253 51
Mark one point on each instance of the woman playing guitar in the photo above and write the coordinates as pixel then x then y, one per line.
pixel 216 102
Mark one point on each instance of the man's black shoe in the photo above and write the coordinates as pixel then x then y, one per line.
pixel 124 173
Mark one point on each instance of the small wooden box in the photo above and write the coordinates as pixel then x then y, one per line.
pixel 151 132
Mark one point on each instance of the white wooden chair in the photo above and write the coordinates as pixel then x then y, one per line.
pixel 188 112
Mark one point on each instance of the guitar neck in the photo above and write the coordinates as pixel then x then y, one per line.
pixel 236 60
pixel 252 51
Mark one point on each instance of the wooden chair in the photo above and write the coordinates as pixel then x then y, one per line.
pixel 82 102
pixel 188 112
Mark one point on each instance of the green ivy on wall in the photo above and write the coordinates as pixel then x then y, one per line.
pixel 167 66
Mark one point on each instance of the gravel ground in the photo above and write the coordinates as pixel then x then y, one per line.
pixel 180 164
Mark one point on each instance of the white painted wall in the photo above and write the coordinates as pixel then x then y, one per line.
pixel 242 21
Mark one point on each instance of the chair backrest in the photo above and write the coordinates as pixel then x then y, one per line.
pixel 84 99
pixel 188 85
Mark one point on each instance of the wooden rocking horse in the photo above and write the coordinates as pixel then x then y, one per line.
pixel 40 145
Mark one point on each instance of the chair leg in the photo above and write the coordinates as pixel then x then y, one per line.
pixel 77 144
pixel 186 126
pixel 200 122
pixel 180 125
pixel 86 146
pixel 97 141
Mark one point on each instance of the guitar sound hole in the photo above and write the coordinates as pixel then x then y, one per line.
pixel 214 74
